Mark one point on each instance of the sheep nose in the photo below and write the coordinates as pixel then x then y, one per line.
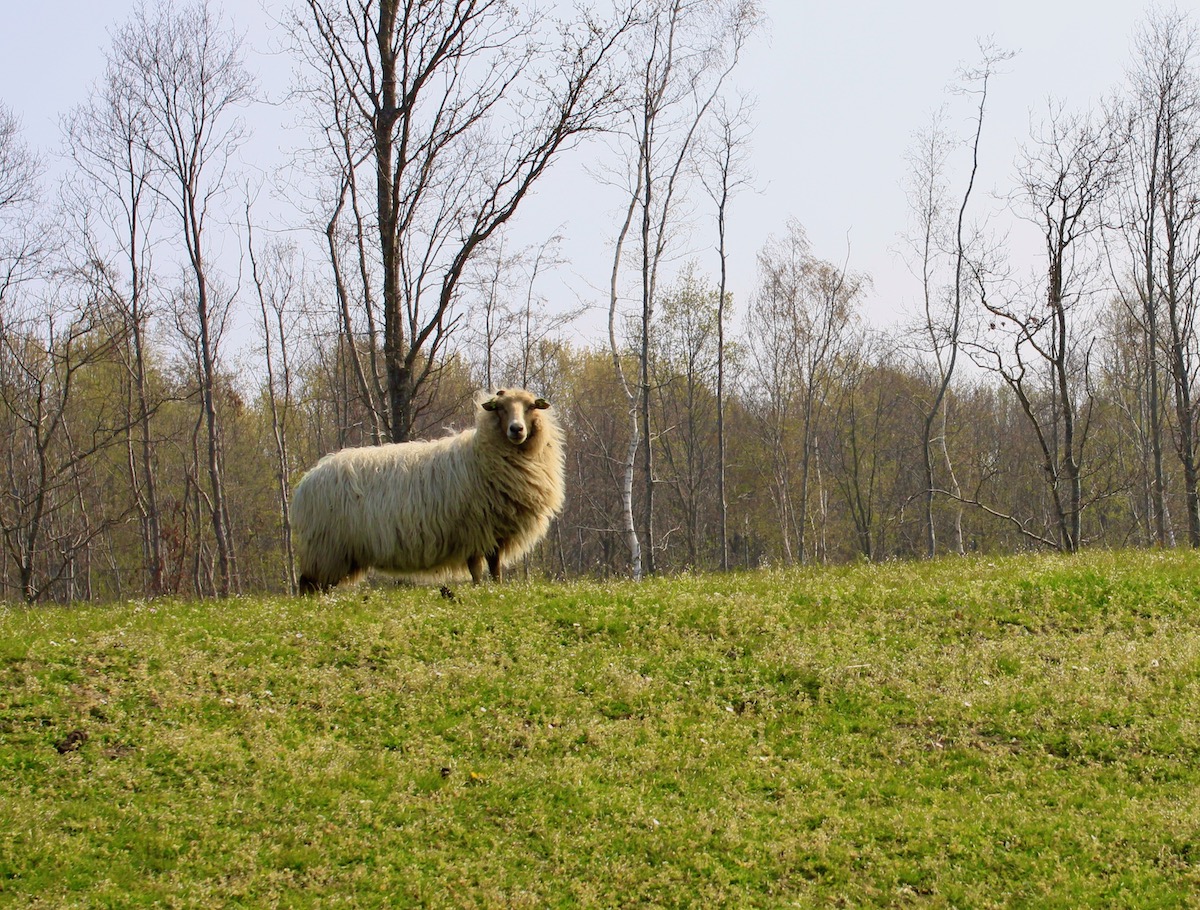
pixel 516 431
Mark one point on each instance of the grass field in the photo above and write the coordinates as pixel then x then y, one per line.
pixel 1016 733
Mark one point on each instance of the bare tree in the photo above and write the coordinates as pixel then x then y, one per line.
pixel 859 444
pixel 685 52
pixel 941 305
pixel 799 319
pixel 343 213
pixel 727 173
pixel 683 371
pixel 276 284
pixel 457 108
pixel 1137 207
pixel 490 276
pixel 55 419
pixel 22 242
pixel 941 237
pixel 513 331
pixel 771 393
pixel 19 167
pixel 1167 121
pixel 115 208
pixel 189 80
pixel 538 325
pixel 1125 371
pixel 45 347
pixel 1040 344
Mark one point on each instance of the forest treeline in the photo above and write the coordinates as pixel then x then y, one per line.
pixel 157 403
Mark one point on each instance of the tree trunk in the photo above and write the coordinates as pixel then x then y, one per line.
pixel 721 497
pixel 226 573
pixel 631 537
pixel 629 526
pixel 146 485
pixel 648 265
pixel 399 393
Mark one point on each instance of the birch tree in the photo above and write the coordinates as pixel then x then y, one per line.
pixel 679 63
pixel 801 315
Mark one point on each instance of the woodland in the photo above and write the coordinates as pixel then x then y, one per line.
pixel 150 449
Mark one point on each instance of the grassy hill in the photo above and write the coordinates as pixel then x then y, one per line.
pixel 1022 732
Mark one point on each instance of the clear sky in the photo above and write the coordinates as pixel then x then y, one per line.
pixel 841 88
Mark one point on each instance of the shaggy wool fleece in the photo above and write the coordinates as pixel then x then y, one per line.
pixel 434 509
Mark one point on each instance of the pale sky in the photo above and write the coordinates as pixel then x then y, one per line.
pixel 841 88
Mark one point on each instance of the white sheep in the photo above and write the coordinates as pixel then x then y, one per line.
pixel 427 510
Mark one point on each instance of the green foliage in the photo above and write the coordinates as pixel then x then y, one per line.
pixel 955 733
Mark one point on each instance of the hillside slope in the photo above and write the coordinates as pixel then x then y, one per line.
pixel 960 733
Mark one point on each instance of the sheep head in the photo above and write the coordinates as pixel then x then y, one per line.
pixel 515 414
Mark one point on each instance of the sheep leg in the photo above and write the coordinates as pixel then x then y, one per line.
pixel 307 585
pixel 475 565
pixel 493 561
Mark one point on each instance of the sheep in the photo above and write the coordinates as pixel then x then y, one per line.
pixel 428 509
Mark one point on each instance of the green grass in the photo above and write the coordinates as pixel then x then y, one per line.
pixel 1022 733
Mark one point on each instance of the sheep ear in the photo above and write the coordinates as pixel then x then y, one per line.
pixel 541 403
pixel 490 405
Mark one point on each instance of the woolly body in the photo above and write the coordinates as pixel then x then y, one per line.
pixel 431 509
